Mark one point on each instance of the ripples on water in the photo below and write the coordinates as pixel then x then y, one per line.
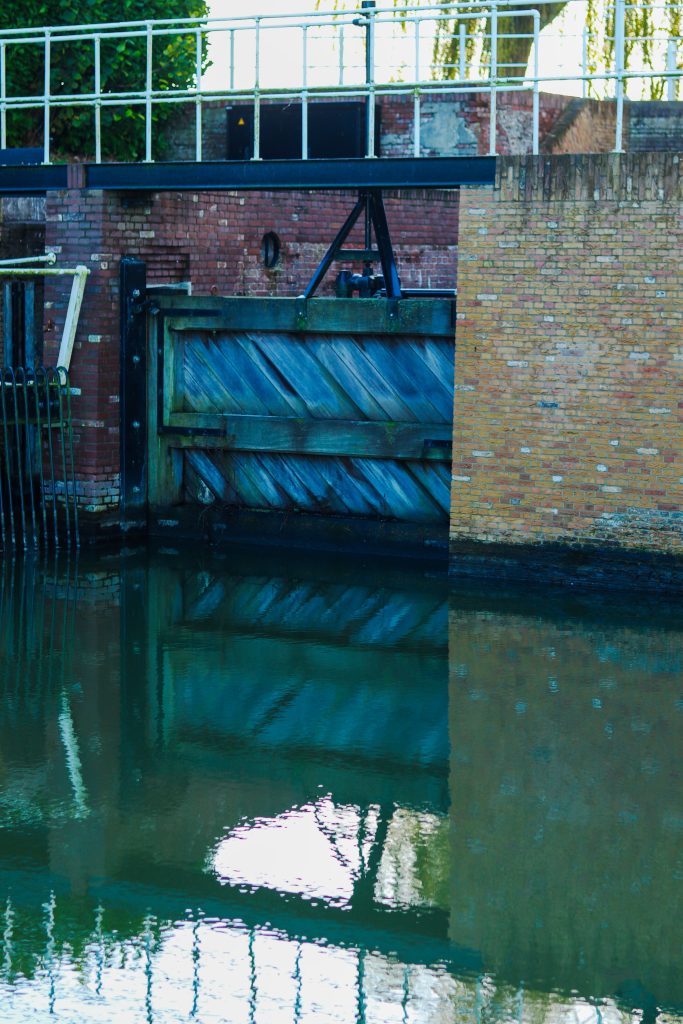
pixel 275 792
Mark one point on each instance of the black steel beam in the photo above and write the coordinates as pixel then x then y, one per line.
pixel 31 179
pixel 262 175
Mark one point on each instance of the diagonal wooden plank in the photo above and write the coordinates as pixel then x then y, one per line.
pixel 411 380
pixel 371 392
pixel 210 373
pixel 323 395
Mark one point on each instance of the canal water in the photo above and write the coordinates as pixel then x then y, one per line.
pixel 246 789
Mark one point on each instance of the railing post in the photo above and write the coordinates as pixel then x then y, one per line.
pixel 198 97
pixel 416 98
pixel 304 97
pixel 493 73
pixel 148 94
pixel 46 101
pixel 584 62
pixel 341 54
pixel 462 50
pixel 256 155
pixel 619 59
pixel 536 104
pixel 98 100
pixel 232 59
pixel 671 81
pixel 369 7
pixel 3 97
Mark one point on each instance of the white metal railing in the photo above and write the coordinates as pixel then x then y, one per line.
pixel 364 54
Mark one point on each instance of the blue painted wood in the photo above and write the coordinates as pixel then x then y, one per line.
pixel 409 491
pixel 345 378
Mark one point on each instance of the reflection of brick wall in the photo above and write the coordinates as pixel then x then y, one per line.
pixel 568 421
pixel 564 739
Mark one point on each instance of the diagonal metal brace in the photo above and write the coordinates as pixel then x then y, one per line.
pixel 329 257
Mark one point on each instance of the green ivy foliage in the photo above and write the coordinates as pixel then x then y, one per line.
pixel 72 72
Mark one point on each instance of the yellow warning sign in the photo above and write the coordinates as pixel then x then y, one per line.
pixel 241 121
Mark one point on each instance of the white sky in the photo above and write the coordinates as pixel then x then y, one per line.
pixel 281 58
pixel 560 50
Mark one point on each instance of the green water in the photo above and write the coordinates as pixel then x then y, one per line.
pixel 257 790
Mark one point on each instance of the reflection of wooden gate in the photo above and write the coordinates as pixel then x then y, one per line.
pixel 335 407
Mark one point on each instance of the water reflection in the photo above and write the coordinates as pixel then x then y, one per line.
pixel 278 792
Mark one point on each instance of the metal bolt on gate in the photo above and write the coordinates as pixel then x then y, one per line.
pixel 38 504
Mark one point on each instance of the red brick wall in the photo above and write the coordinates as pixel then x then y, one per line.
pixel 586 126
pixel 459 125
pixel 450 125
pixel 569 368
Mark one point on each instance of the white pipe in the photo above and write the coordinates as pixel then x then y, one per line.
pixel 370 68
pixel 148 94
pixel 417 100
pixel 584 61
pixel 72 315
pixel 304 97
pixel 232 59
pixel 462 47
pixel 493 72
pixel 417 51
pixel 671 68
pixel 80 274
pixel 43 271
pixel 48 257
pixel 3 94
pixel 257 96
pixel 46 101
pixel 536 98
pixel 416 124
pixel 619 58
pixel 198 102
pixel 98 101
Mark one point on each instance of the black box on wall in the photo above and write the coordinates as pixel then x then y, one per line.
pixel 335 131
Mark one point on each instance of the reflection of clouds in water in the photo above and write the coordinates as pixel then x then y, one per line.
pixel 320 850
pixel 317 851
pixel 223 973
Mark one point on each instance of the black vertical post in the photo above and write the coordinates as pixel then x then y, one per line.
pixel 133 397
pixel 386 250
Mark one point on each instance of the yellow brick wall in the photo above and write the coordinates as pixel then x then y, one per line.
pixel 568 423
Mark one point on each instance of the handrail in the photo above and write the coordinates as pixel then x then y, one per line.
pixel 343 37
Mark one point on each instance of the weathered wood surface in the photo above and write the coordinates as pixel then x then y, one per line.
pixel 315 437
pixel 343 423
pixel 336 485
pixel 433 317
pixel 340 377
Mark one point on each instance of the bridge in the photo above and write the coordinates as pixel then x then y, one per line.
pixel 433 52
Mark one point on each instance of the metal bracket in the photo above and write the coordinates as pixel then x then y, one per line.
pixel 370 203
pixel 301 309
